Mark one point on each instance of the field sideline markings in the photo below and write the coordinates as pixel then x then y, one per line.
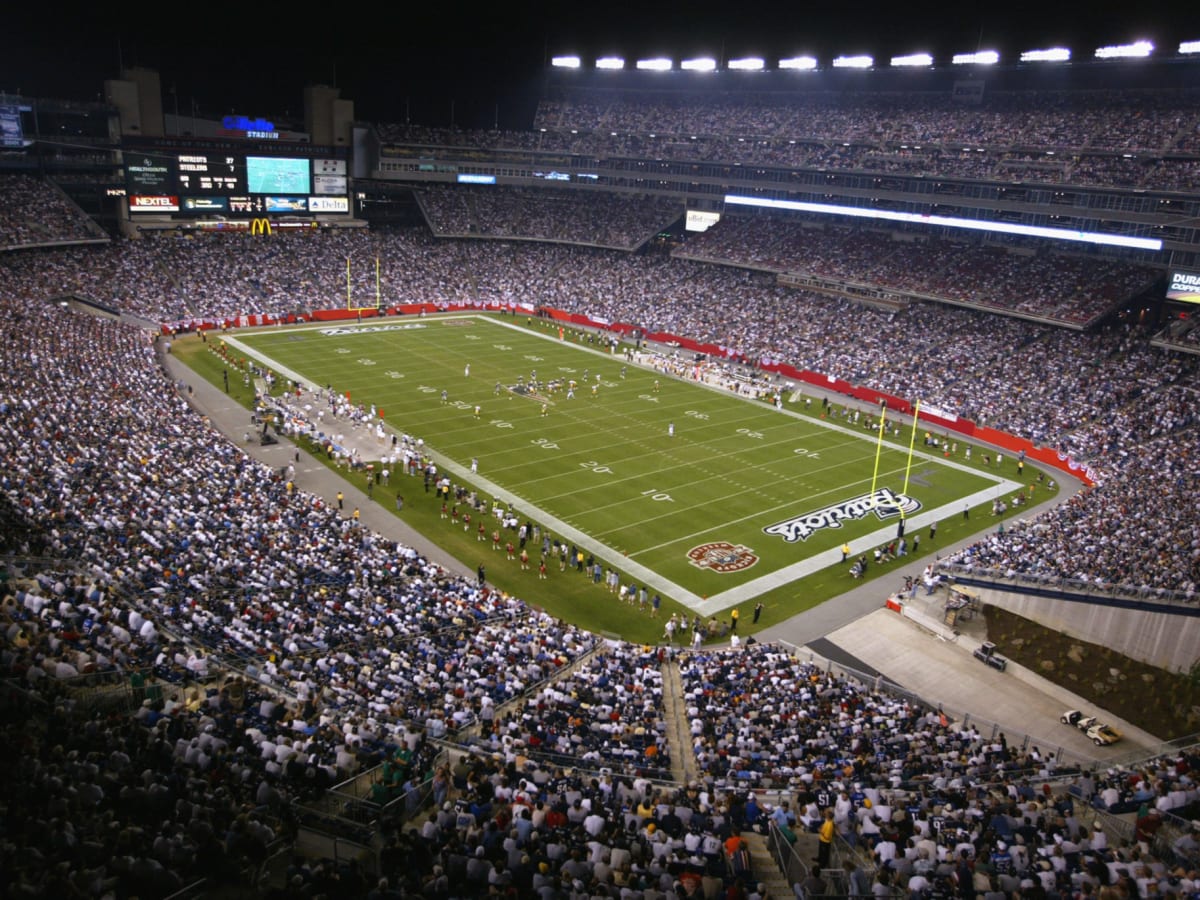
pixel 650 577
pixel 812 499
pixel 748 590
pixel 644 575
pixel 661 473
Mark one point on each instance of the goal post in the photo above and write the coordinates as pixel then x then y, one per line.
pixel 901 502
pixel 351 305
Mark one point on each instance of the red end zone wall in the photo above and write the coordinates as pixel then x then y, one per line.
pixel 1003 440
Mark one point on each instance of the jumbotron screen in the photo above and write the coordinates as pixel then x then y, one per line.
pixel 279 175
pixel 1183 286
pixel 201 183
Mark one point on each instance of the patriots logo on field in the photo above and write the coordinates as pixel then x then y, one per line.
pixel 884 503
pixel 722 556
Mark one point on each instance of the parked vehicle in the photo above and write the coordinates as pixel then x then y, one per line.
pixel 1100 734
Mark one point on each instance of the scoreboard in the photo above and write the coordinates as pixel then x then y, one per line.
pixel 202 183
pixel 204 173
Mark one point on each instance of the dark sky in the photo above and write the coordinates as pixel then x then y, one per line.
pixel 422 57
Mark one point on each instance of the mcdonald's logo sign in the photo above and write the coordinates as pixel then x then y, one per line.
pixel 260 226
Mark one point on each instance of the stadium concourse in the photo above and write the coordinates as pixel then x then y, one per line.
pixel 856 630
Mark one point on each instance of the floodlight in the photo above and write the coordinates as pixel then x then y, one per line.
pixel 566 62
pixel 1189 47
pixel 749 64
pixel 799 63
pixel 853 62
pixel 703 64
pixel 1125 51
pixel 913 59
pixel 886 215
pixel 610 62
pixel 982 58
pixel 659 64
pixel 1054 54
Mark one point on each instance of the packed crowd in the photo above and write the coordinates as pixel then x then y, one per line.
pixel 178 556
pixel 1139 139
pixel 175 277
pixel 608 712
pixel 34 212
pixel 601 220
pixel 939 809
pixel 187 556
pixel 183 552
pixel 1118 533
pixel 930 808
pixel 1060 287
pixel 1110 119
pixel 517 826
pixel 984 368
pixel 762 719
pixel 200 779
pixel 195 784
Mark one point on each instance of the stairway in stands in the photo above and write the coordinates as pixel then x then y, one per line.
pixel 685 770
pixel 679 731
pixel 765 868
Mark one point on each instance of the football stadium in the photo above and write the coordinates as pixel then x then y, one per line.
pixel 737 478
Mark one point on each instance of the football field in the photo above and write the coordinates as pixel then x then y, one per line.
pixel 705 496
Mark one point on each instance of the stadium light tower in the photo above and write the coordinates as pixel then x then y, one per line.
pixel 1052 54
pixel 1137 50
pixel 1186 47
pixel 655 64
pixel 799 63
pixel 980 58
pixel 917 60
pixel 566 62
pixel 700 64
pixel 612 63
pixel 747 64
pixel 853 62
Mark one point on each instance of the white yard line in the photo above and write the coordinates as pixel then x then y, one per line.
pixel 651 579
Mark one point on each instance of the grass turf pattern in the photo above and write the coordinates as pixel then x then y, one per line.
pixel 605 469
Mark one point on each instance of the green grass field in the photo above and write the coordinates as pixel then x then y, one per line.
pixel 736 485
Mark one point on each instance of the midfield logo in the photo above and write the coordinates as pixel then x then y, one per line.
pixel 885 503
pixel 722 556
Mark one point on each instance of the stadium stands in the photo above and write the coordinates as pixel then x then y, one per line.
pixel 272 647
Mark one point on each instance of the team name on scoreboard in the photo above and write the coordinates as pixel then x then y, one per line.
pixel 884 503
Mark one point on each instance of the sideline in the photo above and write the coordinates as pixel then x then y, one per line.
pixel 853 621
pixel 695 603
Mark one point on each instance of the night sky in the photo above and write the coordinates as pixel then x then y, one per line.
pixel 422 58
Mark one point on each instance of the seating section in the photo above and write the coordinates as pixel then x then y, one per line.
pixel 274 648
